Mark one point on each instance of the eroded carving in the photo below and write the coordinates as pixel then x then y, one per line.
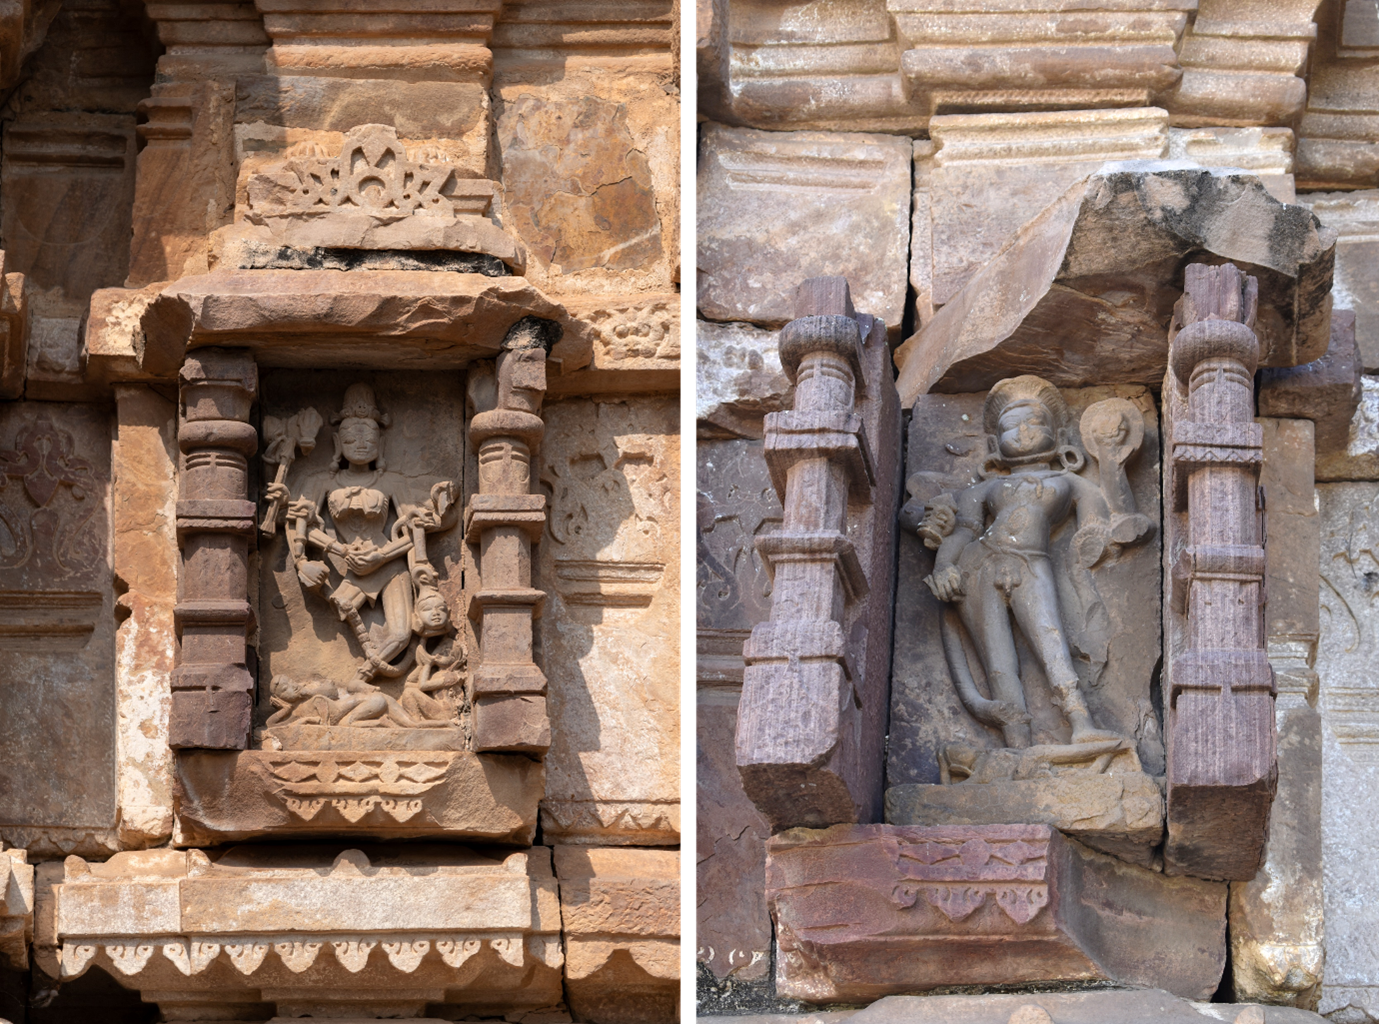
pixel 993 563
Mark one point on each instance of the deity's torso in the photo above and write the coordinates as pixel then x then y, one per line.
pixel 1025 507
pixel 358 513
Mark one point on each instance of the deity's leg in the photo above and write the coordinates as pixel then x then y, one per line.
pixel 987 619
pixel 1035 605
pixel 396 600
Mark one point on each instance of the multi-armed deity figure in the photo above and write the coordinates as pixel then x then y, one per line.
pixel 994 564
pixel 344 515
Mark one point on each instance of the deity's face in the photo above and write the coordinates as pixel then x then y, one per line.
pixel 432 612
pixel 1025 429
pixel 359 441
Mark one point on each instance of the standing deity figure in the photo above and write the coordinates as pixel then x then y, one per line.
pixel 993 564
pixel 345 515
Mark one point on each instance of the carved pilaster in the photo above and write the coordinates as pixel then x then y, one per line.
pixel 797 710
pixel 212 688
pixel 1220 692
pixel 503 520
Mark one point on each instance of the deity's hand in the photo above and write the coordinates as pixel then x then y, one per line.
pixel 1090 543
pixel 363 557
pixel 302 508
pixel 939 521
pixel 1130 528
pixel 312 574
pixel 947 584
pixel 276 493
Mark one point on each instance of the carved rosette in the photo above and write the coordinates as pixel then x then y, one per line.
pixel 797 698
pixel 503 520
pixel 212 688
pixel 1221 732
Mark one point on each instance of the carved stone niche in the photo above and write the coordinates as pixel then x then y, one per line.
pixel 309 931
pixel 382 709
pixel 1027 616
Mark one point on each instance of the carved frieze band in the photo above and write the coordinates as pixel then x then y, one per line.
pixel 192 955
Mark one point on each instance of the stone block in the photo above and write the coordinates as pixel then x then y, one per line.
pixel 1276 925
pixel 620 910
pixel 864 911
pixel 1354 216
pixel 776 208
pixel 57 630
pixel 635 346
pixel 738 377
pixel 144 506
pixel 1349 706
pixel 733 934
pixel 610 561
pixel 307 318
pixel 590 168
pixel 234 796
pixel 991 174
pixel 1150 1006
pixel 1126 230
pixel 378 932
pixel 1325 391
pixel 16 907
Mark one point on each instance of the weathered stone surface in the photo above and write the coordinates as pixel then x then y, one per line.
pixel 635 346
pixel 590 166
pixel 738 377
pixel 1267 152
pixel 16 907
pixel 1117 644
pixel 375 795
pixel 1276 923
pixel 1359 458
pixel 1336 131
pixel 733 934
pixel 14 322
pixel 863 911
pixel 1244 65
pixel 1354 216
pixel 776 208
pixel 620 910
pixel 1124 231
pixel 380 931
pixel 1152 1006
pixel 1325 391
pixel 1349 705
pixel 1122 815
pixel 57 629
pixel 737 504
pixel 610 561
pixel 990 174
pixel 306 318
pixel 144 532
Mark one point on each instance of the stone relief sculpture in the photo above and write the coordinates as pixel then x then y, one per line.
pixel 995 572
pixel 356 536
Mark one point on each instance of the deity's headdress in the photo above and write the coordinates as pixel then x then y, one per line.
pixel 1032 391
pixel 359 404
